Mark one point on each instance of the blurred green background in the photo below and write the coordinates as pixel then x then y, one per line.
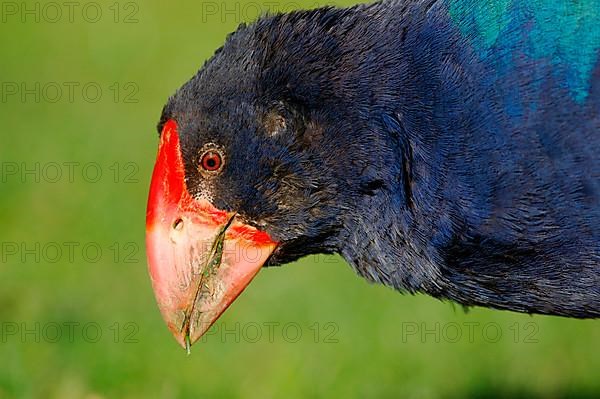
pixel 82 87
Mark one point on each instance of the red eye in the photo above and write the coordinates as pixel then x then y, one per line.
pixel 211 161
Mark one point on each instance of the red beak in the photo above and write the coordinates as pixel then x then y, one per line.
pixel 200 258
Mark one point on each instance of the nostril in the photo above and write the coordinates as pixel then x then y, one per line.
pixel 178 224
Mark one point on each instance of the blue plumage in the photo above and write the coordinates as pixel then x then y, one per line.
pixel 563 35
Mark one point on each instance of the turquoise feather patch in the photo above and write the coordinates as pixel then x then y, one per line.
pixel 566 33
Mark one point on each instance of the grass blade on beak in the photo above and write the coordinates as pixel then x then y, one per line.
pixel 212 265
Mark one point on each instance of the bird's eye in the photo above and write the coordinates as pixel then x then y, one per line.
pixel 211 161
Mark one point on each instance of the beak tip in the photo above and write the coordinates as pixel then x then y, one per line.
pixel 182 339
pixel 186 339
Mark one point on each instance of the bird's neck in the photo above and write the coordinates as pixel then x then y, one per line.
pixel 377 243
pixel 386 246
pixel 416 221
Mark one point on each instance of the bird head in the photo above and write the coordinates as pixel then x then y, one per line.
pixel 250 171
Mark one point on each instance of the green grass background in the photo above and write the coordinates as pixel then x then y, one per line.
pixel 371 355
